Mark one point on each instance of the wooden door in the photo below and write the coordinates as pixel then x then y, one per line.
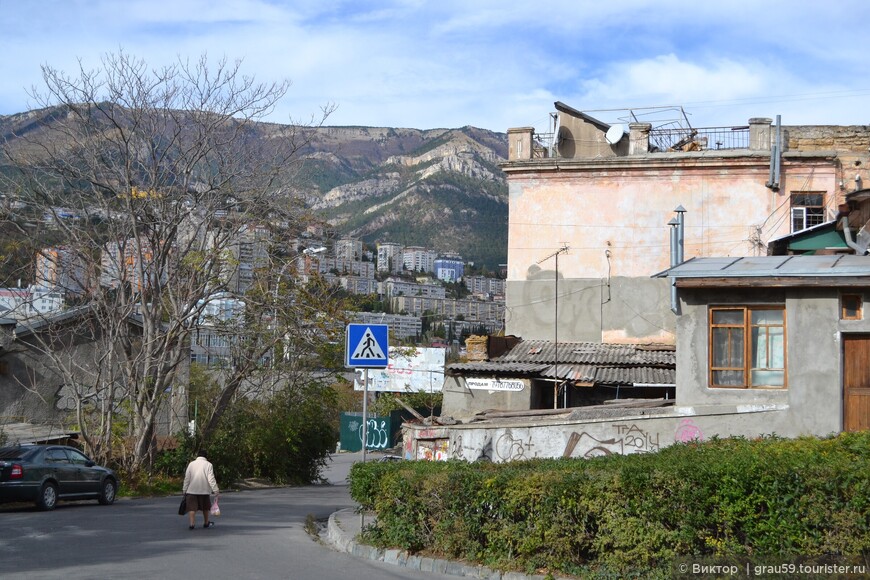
pixel 856 382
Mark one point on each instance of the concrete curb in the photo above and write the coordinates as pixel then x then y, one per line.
pixel 343 528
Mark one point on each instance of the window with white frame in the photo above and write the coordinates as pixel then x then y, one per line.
pixel 807 209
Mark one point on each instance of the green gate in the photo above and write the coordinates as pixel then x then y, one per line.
pixel 381 432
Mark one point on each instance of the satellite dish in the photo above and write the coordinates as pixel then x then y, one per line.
pixel 615 134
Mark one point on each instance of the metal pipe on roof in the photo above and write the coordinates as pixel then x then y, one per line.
pixel 778 161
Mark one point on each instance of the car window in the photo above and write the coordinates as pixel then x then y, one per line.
pixel 11 452
pixel 56 456
pixel 76 457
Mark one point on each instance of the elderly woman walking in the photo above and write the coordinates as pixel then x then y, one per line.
pixel 199 484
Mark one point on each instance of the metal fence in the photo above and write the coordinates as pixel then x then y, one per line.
pixel 701 139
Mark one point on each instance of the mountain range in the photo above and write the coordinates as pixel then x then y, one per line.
pixel 438 188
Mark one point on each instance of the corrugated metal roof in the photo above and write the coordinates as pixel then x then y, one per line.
pixel 491 366
pixel 35 433
pixel 825 266
pixel 581 362
pixel 612 375
pixel 590 353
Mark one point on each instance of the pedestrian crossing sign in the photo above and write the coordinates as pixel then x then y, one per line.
pixel 367 345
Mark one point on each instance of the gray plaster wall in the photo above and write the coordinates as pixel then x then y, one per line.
pixel 621 309
pixel 462 403
pixel 813 395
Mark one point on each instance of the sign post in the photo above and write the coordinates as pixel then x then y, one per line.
pixel 366 346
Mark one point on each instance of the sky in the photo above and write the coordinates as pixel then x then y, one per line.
pixel 493 64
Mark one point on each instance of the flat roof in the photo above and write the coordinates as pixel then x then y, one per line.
pixel 847 269
pixel 770 266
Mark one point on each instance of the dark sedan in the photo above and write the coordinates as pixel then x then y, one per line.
pixel 45 474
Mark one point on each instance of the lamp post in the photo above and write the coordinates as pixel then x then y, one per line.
pixel 555 255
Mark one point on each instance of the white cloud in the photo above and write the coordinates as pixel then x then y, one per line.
pixel 488 63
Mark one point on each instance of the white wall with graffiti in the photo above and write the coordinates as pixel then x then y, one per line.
pixel 517 440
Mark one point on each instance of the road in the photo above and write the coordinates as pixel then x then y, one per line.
pixel 260 535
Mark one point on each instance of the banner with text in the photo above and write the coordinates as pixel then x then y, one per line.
pixel 410 370
pixel 495 384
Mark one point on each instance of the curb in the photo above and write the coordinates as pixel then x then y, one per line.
pixel 338 534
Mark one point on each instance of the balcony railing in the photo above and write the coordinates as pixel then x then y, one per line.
pixel 701 139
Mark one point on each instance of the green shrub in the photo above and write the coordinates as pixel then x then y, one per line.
pixel 629 515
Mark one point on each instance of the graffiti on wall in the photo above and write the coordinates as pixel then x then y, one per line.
pixel 508 446
pixel 627 439
pixel 435 450
pixel 687 432
pixel 377 434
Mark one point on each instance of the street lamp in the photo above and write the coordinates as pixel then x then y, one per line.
pixel 555 255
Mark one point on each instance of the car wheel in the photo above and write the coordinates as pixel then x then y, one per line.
pixel 47 496
pixel 107 492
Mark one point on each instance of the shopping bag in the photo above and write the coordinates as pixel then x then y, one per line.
pixel 182 509
pixel 215 508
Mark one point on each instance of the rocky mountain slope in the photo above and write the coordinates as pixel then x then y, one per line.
pixel 438 188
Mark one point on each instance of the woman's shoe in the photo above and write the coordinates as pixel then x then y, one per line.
pixel 191 527
pixel 209 525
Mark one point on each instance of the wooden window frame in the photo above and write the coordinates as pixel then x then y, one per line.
pixel 746 327
pixel 859 298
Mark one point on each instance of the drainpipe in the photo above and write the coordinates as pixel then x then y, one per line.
pixel 681 233
pixel 678 236
pixel 777 166
pixel 674 237
pixel 844 221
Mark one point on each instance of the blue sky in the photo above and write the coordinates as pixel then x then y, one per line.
pixel 491 64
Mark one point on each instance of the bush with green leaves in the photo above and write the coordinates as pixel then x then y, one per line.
pixel 630 515
pixel 285 439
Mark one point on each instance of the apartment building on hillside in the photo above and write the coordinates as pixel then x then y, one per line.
pixel 389 257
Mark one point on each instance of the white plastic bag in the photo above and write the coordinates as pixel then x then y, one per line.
pixel 215 508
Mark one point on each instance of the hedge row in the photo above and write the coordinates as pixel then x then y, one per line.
pixel 629 515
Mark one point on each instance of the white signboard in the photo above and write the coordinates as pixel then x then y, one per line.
pixel 410 370
pixel 495 384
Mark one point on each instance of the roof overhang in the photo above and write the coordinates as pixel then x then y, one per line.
pixel 845 270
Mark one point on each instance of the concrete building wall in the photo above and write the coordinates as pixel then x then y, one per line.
pixel 623 310
pixel 462 403
pixel 629 434
pixel 814 395
pixel 613 215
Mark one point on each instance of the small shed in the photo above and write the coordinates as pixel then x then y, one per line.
pixel 784 331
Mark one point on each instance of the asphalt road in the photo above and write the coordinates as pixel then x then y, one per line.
pixel 260 534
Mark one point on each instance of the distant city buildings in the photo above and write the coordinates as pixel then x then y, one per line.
pixel 410 290
pixel 449 268
pixel 389 258
pixel 24 303
pixel 418 259
pixel 62 269
pixel 402 326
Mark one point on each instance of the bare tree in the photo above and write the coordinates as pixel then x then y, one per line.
pixel 152 178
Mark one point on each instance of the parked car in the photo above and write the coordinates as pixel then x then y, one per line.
pixel 45 474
